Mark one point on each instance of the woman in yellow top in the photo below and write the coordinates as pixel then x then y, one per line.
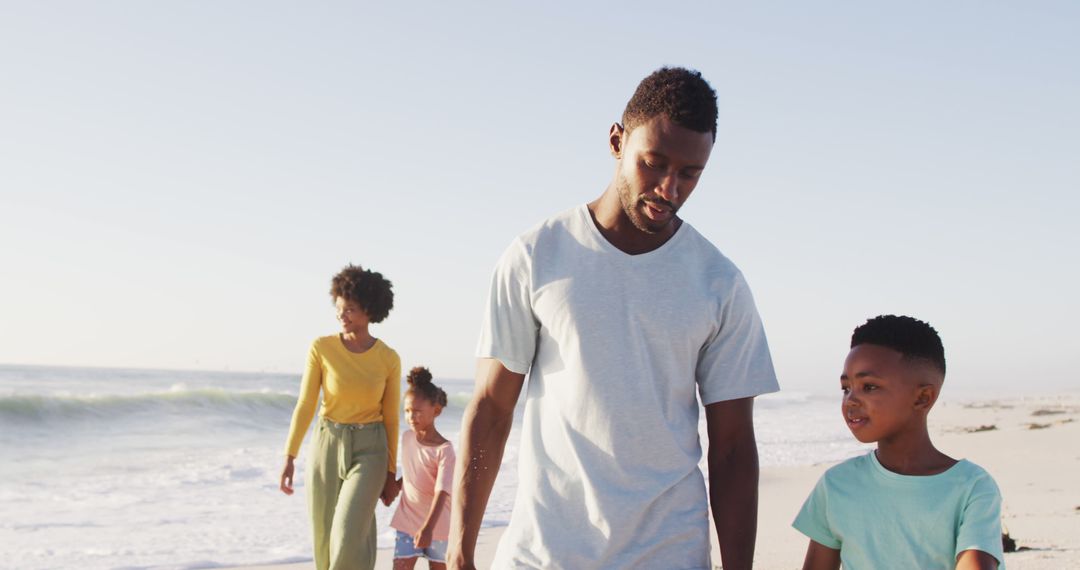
pixel 354 452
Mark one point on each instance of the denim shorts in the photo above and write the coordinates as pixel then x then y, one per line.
pixel 405 548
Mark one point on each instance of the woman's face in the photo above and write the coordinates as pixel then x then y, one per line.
pixel 351 315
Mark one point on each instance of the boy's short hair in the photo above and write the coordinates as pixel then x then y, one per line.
pixel 908 336
pixel 679 94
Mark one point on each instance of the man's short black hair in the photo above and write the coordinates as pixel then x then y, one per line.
pixel 677 93
pixel 906 335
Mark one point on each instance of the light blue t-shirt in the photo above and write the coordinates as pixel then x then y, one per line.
pixel 878 519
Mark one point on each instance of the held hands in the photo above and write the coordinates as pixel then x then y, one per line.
pixel 287 476
pixel 390 490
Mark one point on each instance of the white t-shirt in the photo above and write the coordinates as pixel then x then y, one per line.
pixel 615 346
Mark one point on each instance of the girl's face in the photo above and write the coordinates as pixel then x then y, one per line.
pixel 420 413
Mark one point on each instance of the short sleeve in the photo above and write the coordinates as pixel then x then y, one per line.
pixel 509 329
pixel 813 518
pixel 735 361
pixel 980 522
pixel 444 481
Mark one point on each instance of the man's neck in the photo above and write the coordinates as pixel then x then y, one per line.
pixel 613 223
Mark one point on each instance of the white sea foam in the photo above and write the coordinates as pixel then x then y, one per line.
pixel 62 407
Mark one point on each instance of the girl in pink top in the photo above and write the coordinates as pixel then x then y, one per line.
pixel 427 461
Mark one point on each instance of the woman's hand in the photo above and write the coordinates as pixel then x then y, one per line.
pixel 390 489
pixel 287 475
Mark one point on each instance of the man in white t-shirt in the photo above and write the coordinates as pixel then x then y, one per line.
pixel 621 314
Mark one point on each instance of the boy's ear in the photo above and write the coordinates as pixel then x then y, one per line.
pixel 925 397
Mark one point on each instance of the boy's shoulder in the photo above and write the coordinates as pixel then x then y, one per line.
pixel 977 479
pixel 865 470
pixel 860 465
pixel 970 469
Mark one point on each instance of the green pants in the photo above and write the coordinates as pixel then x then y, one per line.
pixel 346 475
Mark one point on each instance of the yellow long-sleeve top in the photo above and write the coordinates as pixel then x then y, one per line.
pixel 357 388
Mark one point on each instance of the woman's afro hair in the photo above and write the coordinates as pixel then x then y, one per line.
pixel 366 288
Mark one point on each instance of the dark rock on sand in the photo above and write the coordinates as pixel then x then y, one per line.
pixel 1008 544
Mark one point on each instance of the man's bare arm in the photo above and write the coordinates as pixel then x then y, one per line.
pixel 485 427
pixel 733 479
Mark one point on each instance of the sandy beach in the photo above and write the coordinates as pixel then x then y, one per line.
pixel 1028 445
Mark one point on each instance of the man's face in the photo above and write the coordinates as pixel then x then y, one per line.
pixel 881 393
pixel 659 165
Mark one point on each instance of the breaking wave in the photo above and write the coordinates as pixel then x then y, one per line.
pixel 212 401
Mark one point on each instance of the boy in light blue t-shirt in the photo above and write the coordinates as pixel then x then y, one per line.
pixel 906 504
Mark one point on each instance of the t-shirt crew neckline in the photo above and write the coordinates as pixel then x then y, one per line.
pixel 341 343
pixel 583 211
pixel 909 479
pixel 428 445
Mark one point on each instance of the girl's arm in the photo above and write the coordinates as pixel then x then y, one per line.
pixel 423 537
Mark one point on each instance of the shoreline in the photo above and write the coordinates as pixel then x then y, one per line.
pixel 1027 444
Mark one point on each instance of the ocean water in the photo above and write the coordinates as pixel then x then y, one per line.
pixel 113 468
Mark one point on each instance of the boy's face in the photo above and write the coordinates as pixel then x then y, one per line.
pixel 885 395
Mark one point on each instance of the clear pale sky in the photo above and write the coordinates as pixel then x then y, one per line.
pixel 180 180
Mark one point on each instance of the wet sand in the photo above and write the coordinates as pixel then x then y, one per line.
pixel 1028 445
